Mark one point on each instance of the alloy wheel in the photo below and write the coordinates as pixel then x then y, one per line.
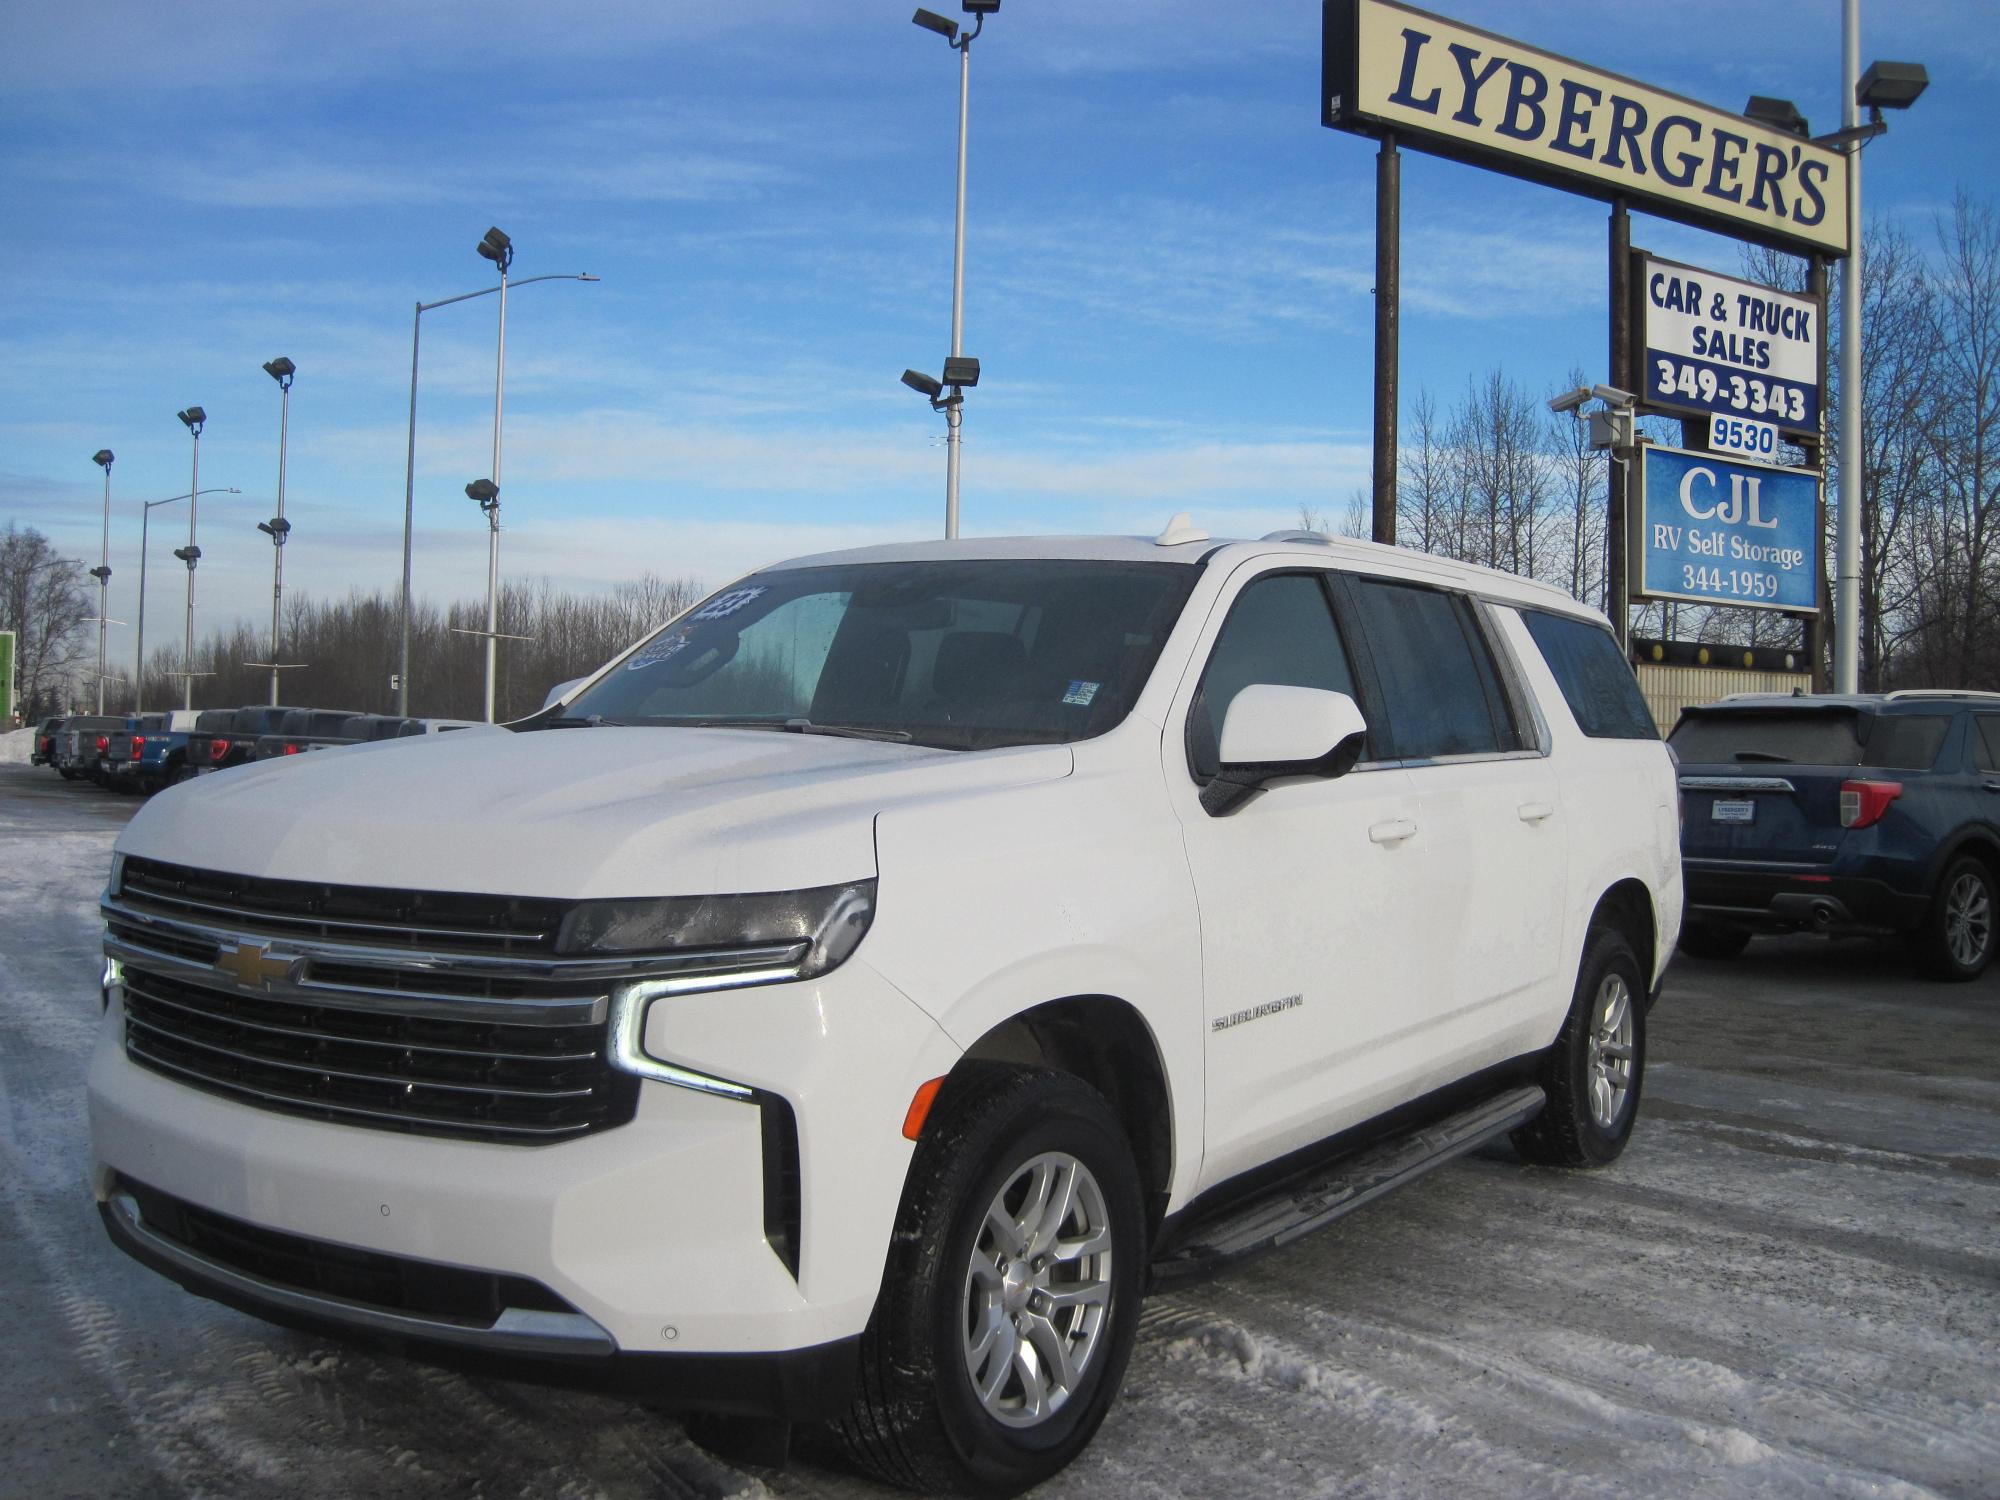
pixel 1968 920
pixel 1610 1050
pixel 1037 1290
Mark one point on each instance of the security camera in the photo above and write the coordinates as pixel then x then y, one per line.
pixel 1570 400
pixel 1610 395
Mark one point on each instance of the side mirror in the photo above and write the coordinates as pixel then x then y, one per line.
pixel 1272 732
pixel 561 691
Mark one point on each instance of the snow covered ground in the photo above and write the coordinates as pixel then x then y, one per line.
pixel 16 745
pixel 1789 1286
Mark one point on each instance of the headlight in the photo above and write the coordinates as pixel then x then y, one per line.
pixel 825 923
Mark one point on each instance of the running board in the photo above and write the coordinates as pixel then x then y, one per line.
pixel 1308 1202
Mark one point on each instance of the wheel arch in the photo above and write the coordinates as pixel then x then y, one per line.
pixel 1106 1042
pixel 1627 906
pixel 1979 842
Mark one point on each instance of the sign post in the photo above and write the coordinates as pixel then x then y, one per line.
pixel 7 704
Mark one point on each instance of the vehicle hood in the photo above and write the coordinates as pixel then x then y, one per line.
pixel 569 813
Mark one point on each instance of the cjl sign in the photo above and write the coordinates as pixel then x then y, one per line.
pixel 1718 531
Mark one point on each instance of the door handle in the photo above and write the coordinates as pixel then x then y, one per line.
pixel 1991 786
pixel 1534 812
pixel 1392 830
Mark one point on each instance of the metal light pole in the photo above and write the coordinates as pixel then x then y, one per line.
pixel 410 458
pixel 497 248
pixel 192 419
pixel 1886 85
pixel 102 572
pixel 278 528
pixel 954 409
pixel 145 525
pixel 1847 547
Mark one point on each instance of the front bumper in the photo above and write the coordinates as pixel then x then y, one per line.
pixel 547 1347
pixel 1769 899
pixel 651 1239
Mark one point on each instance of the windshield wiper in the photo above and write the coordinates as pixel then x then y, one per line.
pixel 794 726
pixel 847 731
pixel 589 722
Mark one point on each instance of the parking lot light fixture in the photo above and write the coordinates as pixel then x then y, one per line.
pixel 103 458
pixel 499 249
pixel 1779 114
pixel 954 409
pixel 487 493
pixel 410 457
pixel 194 419
pixel 147 507
pixel 283 371
pixel 1886 85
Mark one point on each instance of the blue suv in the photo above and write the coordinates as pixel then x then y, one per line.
pixel 1874 814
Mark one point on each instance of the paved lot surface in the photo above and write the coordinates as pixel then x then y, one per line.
pixel 1788 1286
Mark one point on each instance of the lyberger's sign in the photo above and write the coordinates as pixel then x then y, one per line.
pixel 1457 91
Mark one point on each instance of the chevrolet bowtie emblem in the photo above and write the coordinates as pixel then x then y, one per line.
pixel 251 964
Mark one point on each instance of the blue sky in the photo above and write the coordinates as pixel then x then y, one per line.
pixel 1169 266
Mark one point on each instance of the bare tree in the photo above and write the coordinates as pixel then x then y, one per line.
pixel 1954 638
pixel 43 601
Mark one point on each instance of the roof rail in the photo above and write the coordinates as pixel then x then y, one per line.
pixel 1902 693
pixel 1320 537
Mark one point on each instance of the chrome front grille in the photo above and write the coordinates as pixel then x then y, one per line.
pixel 312 999
pixel 469 1078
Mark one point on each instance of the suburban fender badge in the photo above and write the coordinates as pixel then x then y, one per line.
pixel 1256 1012
pixel 251 965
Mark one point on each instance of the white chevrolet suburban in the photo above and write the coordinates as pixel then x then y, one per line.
pixel 845 1004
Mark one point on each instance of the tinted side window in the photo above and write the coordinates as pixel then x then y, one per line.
pixel 1986 744
pixel 1280 630
pixel 1596 683
pixel 1439 691
pixel 1906 742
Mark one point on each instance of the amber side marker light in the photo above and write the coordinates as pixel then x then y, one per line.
pixel 920 1108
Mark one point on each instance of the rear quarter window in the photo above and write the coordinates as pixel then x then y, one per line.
pixel 1596 682
pixel 1906 742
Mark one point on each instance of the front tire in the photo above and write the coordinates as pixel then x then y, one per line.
pixel 1593 1072
pixel 1956 941
pixel 1011 1297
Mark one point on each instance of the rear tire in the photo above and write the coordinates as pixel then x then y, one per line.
pixel 1711 940
pixel 1011 1296
pixel 1593 1072
pixel 1956 941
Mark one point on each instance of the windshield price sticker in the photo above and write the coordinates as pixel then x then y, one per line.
pixel 1730 348
pixel 1720 531
pixel 1758 440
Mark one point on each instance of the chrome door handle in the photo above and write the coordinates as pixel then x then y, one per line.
pixel 1393 830
pixel 1991 786
pixel 1534 812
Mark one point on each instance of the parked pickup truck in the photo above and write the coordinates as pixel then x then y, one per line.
pixel 225 737
pixel 304 729
pixel 43 751
pixel 80 742
pixel 149 753
pixel 849 1000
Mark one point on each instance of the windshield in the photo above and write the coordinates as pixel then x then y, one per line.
pixel 957 654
